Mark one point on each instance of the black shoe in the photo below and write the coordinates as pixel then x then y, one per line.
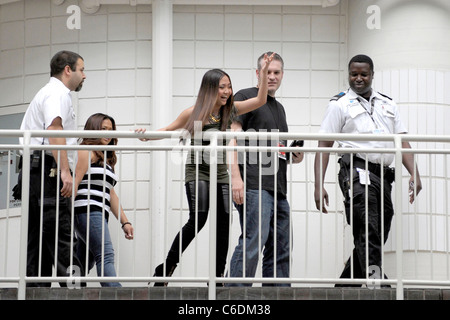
pixel 159 272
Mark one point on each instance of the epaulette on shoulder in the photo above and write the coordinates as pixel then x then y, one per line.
pixel 338 96
pixel 385 96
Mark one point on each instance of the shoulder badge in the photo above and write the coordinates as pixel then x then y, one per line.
pixel 338 96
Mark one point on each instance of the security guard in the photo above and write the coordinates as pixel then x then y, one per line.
pixel 362 110
pixel 51 109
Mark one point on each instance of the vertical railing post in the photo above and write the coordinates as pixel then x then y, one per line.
pixel 162 69
pixel 212 217
pixel 399 215
pixel 21 292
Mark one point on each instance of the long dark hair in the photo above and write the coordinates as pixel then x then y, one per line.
pixel 94 122
pixel 206 100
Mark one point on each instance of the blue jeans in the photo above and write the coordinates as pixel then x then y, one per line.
pixel 266 238
pixel 96 224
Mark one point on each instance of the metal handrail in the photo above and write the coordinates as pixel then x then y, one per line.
pixel 215 136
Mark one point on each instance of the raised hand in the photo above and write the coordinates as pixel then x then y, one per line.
pixel 266 62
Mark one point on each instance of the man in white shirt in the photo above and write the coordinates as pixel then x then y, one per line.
pixel 362 110
pixel 51 109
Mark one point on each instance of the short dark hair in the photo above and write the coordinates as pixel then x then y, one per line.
pixel 362 58
pixel 276 56
pixel 62 59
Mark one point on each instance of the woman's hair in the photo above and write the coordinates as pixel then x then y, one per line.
pixel 94 122
pixel 207 98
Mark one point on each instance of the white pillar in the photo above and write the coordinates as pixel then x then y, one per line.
pixel 162 17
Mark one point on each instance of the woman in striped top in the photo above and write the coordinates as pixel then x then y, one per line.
pixel 96 199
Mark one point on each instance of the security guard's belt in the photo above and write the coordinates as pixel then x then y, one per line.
pixel 375 168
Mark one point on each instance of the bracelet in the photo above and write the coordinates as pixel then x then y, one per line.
pixel 123 225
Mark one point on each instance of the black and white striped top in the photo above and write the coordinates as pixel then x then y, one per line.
pixel 95 190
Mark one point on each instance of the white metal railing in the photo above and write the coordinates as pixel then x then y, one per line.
pixel 434 177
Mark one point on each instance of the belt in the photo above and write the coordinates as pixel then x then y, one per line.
pixel 375 168
pixel 36 160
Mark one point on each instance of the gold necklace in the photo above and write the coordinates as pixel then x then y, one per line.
pixel 214 119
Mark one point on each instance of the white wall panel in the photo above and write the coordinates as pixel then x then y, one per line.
pixel 183 54
pixel 121 83
pixel 94 28
pixel 447 85
pixel 16 28
pixel 242 78
pixel 62 35
pixel 37 9
pixel 209 26
pixel 267 27
pixel 12 12
pixel 183 26
pixel 37 60
pixel 11 63
pixel 86 109
pixel 296 83
pixel 296 27
pixel 32 84
pixel 324 84
pixel 297 55
pixel 144 26
pixel 325 56
pixel 121 26
pixel 183 83
pixel 144 54
pixel 95 56
pixel 11 91
pixel 238 55
pixel 325 28
pixel 99 90
pixel 121 55
pixel 143 108
pixel 238 27
pixel 143 82
pixel 37 32
pixel 209 54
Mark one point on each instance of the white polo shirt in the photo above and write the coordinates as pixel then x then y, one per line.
pixel 52 101
pixel 351 113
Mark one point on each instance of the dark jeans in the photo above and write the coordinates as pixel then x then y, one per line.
pixel 199 218
pixel 375 224
pixel 261 232
pixel 53 224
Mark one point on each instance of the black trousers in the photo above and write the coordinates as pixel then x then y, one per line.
pixel 375 223
pixel 54 224
pixel 198 219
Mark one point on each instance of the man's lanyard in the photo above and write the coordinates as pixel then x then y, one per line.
pixel 372 107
